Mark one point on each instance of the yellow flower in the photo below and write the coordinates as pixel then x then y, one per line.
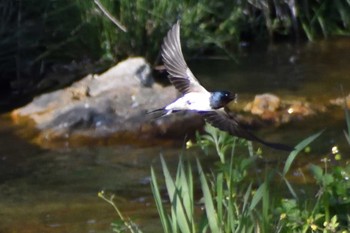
pixel 189 144
pixel 313 227
pixel 283 216
pixel 101 193
pixel 335 150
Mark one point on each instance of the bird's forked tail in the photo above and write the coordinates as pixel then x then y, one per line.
pixel 158 113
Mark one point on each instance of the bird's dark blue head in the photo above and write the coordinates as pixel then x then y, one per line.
pixel 219 99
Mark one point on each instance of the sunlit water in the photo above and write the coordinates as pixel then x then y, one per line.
pixel 56 191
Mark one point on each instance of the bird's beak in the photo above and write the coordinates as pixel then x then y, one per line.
pixel 234 97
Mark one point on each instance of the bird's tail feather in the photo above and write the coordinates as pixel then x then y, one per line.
pixel 158 113
pixel 278 146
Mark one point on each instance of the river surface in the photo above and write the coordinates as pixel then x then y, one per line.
pixel 56 190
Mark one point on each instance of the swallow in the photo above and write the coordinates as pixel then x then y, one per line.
pixel 210 105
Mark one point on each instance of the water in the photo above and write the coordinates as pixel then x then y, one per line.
pixel 314 70
pixel 56 190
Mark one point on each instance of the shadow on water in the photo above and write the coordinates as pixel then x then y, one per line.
pixel 56 191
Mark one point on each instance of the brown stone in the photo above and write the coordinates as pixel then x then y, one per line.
pixel 264 104
pixel 107 105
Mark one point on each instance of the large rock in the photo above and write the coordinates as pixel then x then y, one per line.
pixel 109 106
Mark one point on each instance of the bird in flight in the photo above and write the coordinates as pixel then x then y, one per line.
pixel 210 105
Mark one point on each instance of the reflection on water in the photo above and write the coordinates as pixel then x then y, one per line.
pixel 56 191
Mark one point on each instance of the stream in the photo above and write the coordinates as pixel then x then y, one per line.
pixel 52 191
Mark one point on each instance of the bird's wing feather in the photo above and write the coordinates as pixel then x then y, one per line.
pixel 224 122
pixel 180 75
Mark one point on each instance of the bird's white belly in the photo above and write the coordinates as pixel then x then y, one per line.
pixel 191 101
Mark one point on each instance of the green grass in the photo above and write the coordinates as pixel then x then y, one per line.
pixel 37 34
pixel 235 200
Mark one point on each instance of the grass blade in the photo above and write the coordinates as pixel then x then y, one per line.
pixel 185 191
pixel 169 182
pixel 246 197
pixel 208 202
pixel 347 119
pixel 155 190
pixel 176 199
pixel 297 150
pixel 219 195
pixel 257 196
pixel 290 188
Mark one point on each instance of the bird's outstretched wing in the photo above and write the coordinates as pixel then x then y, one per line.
pixel 180 75
pixel 224 122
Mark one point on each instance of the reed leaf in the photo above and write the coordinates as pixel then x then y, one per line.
pixel 298 149
pixel 176 199
pixel 156 194
pixel 208 202
pixel 257 196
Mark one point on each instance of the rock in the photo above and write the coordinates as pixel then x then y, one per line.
pixel 300 108
pixel 130 73
pixel 266 106
pixel 265 103
pixel 342 101
pixel 271 109
pixel 113 104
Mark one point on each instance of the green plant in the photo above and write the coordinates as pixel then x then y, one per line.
pixel 233 199
pixel 328 212
pixel 124 224
pixel 324 17
pixel 233 202
pixel 36 35
pixel 180 192
pixel 219 23
pixel 230 201
pixel 221 197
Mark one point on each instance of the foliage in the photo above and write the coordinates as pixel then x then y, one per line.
pixel 37 35
pixel 180 192
pixel 220 23
pixel 326 17
pixel 232 202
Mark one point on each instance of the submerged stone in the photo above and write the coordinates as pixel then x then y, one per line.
pixel 272 109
